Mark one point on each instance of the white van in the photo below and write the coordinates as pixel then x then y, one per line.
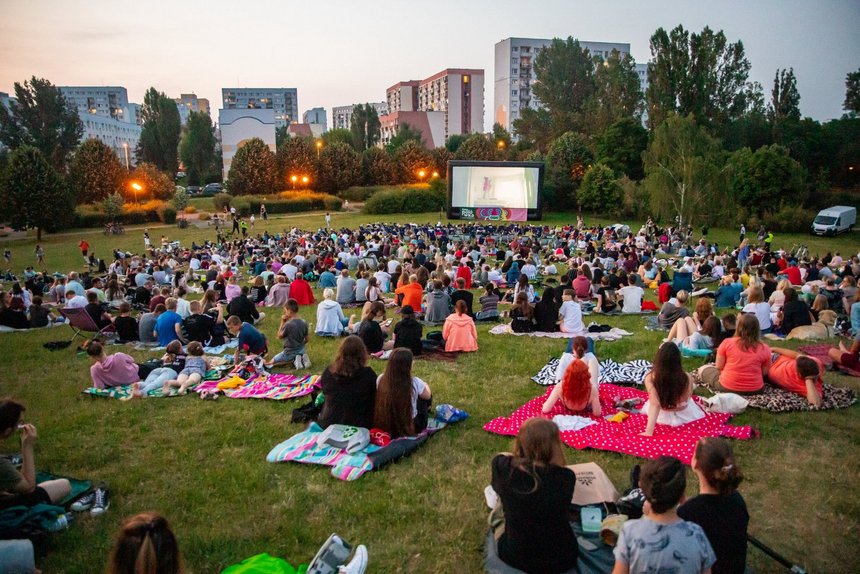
pixel 834 220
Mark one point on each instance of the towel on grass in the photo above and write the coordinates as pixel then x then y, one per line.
pixel 612 335
pixel 623 437
pixel 303 448
pixel 610 372
pixel 820 352
pixel 78 486
pixel 277 387
pixel 124 392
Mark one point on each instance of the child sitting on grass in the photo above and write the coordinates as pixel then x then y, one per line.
pixel 570 314
pixel 195 369
pixel 251 341
pixel 126 325
pixel 661 541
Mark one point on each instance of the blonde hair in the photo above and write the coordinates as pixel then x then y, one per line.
pixel 328 293
pixel 682 296
pixel 756 295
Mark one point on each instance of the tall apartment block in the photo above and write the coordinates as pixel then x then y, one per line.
pixel 285 102
pixel 315 116
pixel 515 75
pixel 107 116
pixel 341 116
pixel 187 103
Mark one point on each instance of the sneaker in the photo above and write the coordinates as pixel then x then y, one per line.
pixel 298 362
pixel 102 500
pixel 358 564
pixel 306 361
pixel 332 554
pixel 85 502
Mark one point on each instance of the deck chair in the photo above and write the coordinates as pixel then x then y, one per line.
pixel 682 281
pixel 81 322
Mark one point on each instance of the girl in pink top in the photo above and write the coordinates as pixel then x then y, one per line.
pixel 111 370
pixel 459 330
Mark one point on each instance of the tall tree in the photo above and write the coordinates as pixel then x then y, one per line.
pixel 338 136
pixel 340 167
pixel 684 171
pixel 621 145
pixel 700 74
pixel 282 134
pixel 95 172
pixel 600 190
pixel 762 180
pixel 296 156
pixel 365 126
pixel 253 170
pixel 411 158
pixel 197 148
pixel 159 138
pixel 565 82
pixel 784 97
pixel 32 193
pixel 852 94
pixel 377 168
pixel 441 157
pixel 405 133
pixel 477 148
pixel 617 93
pixel 453 142
pixel 568 159
pixel 41 118
pixel 535 126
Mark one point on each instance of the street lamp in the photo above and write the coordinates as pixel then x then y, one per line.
pixel 500 144
pixel 421 174
pixel 125 147
pixel 435 174
pixel 305 180
pixel 294 179
pixel 136 187
pixel 319 147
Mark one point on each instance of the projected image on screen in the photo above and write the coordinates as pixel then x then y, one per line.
pixel 508 187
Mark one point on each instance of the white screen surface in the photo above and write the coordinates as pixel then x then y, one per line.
pixel 511 187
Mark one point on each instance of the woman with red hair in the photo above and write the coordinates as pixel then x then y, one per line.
pixel 576 391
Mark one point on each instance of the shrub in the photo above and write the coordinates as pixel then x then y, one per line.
pixel 332 203
pixel 204 216
pixel 190 209
pixel 242 205
pixel 296 201
pixel 154 183
pixel 166 213
pixel 600 190
pixel 222 200
pixel 789 219
pixel 401 200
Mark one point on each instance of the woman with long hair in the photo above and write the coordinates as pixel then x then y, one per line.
pixel 402 399
pixel 742 361
pixel 349 387
pixel 145 545
pixel 576 391
pixel 546 312
pixel 535 489
pixel 373 328
pixel 719 508
pixel 670 390
pixel 522 314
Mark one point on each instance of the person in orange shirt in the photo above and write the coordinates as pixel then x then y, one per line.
pixel 798 373
pixel 412 293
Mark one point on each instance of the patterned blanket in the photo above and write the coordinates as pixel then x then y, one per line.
pixel 303 448
pixel 610 372
pixel 277 387
pixel 612 335
pixel 623 437
pixel 820 352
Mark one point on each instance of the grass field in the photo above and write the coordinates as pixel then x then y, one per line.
pixel 202 463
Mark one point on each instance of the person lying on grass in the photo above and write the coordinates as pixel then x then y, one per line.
pixel 670 390
pixel 108 371
pixel 661 541
pixel 195 369
pixel 402 399
pixel 172 362
pixel 797 373
pixel 19 487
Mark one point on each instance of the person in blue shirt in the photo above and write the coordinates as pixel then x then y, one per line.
pixel 728 293
pixel 251 341
pixel 168 327
pixel 327 279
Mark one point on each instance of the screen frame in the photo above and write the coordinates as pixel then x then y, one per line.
pixel 532 214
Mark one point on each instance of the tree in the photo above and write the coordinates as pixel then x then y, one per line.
pixel 477 148
pixel 752 129
pixel 180 199
pixel 617 93
pixel 95 172
pixel 159 138
pixel 112 206
pixel 405 133
pixel 441 157
pixel 377 168
pixel 600 190
pixel 565 82
pixel 364 126
pixel 340 167
pixel 684 171
pixel 154 183
pixel 411 158
pixel 700 74
pixel 784 97
pixel 453 143
pixel 41 118
pixel 253 170
pixel 282 134
pixel 197 148
pixel 762 180
pixel 620 147
pixel 535 126
pixel 296 156
pixel 500 134
pixel 32 193
pixel 568 158
pixel 338 136
pixel 852 93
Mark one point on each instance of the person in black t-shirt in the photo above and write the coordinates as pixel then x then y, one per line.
pixel 95 311
pixel 408 332
pixel 719 508
pixel 535 490
pixel 243 308
pixel 373 329
pixel 201 327
pixel 349 387
pixel 126 325
pixel 463 294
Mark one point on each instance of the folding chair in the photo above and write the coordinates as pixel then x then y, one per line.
pixel 682 281
pixel 81 322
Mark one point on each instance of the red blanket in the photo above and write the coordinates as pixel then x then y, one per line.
pixel 679 442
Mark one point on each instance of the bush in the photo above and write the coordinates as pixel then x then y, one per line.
pixel 361 194
pixel 204 216
pixel 243 206
pixel 400 200
pixel 222 200
pixel 166 214
pixel 296 201
pixel 190 209
pixel 789 219
pixel 332 203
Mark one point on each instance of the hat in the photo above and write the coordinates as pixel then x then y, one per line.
pixel 407 310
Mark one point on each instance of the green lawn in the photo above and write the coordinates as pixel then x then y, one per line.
pixel 203 465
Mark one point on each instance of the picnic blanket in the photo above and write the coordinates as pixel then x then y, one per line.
pixel 303 448
pixel 78 486
pixel 612 335
pixel 427 353
pixel 276 387
pixel 820 352
pixel 610 372
pixel 601 560
pixel 623 437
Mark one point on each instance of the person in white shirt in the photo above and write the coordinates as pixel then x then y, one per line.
pixel 290 271
pixel 570 314
pixel 632 296
pixel 194 264
pixel 529 270
pixel 383 278
pixel 494 276
pixel 75 301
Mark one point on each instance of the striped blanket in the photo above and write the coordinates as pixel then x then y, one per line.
pixel 610 372
pixel 277 387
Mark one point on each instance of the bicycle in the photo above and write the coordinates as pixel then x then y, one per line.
pixel 114 228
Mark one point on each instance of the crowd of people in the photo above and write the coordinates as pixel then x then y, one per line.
pixel 186 299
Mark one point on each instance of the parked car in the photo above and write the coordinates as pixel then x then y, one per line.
pixel 180 188
pixel 193 190
pixel 834 220
pixel 212 188
pixel 180 174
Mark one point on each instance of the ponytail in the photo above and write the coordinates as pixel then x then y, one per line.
pixel 716 461
pixel 147 559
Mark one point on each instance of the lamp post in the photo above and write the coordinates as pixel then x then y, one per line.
pixel 125 147
pixel 421 174
pixel 136 187
pixel 305 180
pixel 294 179
pixel 319 147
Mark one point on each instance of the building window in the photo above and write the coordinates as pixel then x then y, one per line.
pixel 514 92
pixel 514 71
pixel 515 49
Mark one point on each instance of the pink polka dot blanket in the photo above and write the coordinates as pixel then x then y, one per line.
pixel 623 437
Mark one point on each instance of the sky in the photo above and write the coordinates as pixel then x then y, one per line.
pixel 340 52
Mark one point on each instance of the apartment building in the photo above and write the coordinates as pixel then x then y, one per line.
pixel 284 101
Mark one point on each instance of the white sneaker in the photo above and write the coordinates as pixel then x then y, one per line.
pixel 297 362
pixel 358 564
pixel 306 361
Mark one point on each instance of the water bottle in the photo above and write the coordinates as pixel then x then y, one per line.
pixel 63 521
